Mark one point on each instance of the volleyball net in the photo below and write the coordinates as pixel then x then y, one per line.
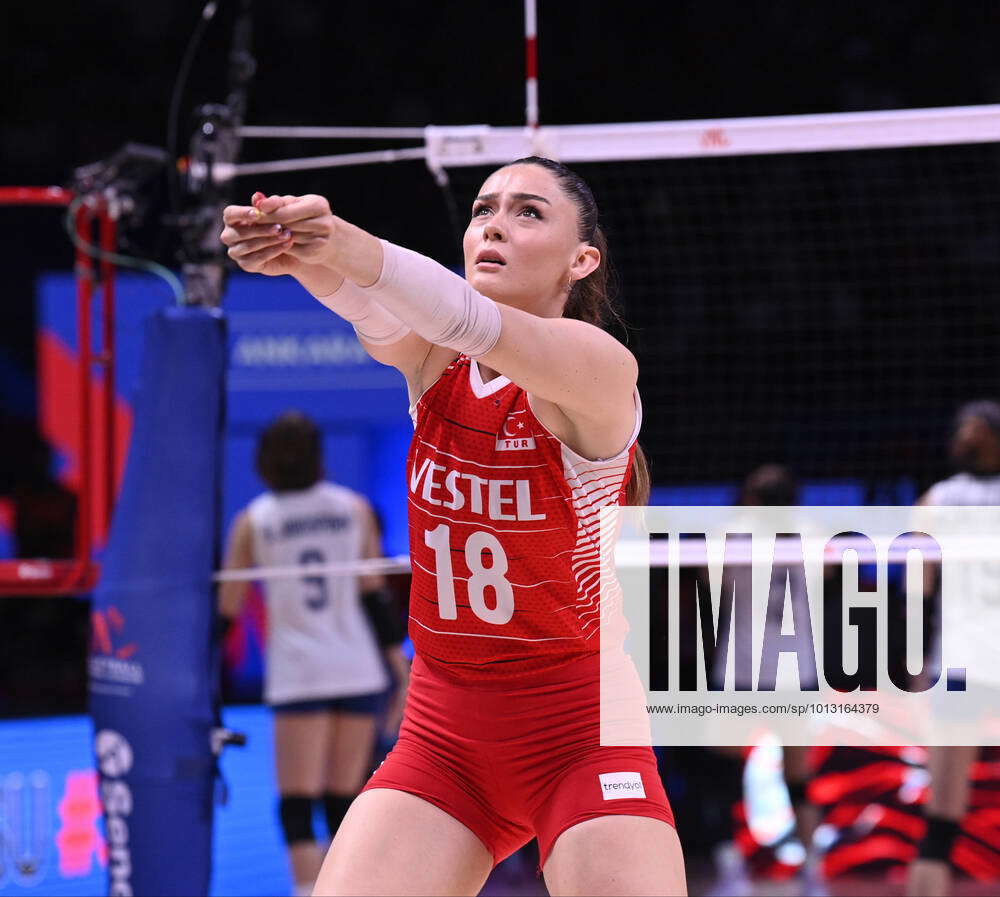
pixel 816 290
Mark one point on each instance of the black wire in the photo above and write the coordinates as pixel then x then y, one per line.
pixel 173 116
pixel 457 225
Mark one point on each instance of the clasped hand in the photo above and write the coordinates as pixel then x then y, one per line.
pixel 279 234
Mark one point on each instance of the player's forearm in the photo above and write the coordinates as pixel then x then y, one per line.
pixel 319 280
pixel 232 596
pixel 343 297
pixel 371 582
pixel 354 253
pixel 399 665
pixel 434 302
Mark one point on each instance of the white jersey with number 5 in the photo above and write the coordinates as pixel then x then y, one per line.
pixel 319 642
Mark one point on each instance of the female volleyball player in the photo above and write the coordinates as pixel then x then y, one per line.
pixel 325 676
pixel 526 417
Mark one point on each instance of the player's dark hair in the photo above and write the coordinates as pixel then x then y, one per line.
pixel 592 298
pixel 770 485
pixel 987 410
pixel 290 453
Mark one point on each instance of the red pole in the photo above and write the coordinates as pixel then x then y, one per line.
pixel 108 235
pixel 35 196
pixel 80 574
pixel 84 296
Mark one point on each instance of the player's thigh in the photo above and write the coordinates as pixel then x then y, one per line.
pixel 300 750
pixel 392 842
pixel 612 855
pixel 352 739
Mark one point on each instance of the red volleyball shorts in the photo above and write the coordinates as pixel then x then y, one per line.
pixel 516 762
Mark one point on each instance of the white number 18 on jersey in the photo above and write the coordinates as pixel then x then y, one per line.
pixel 492 576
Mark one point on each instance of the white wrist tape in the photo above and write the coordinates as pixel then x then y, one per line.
pixel 371 321
pixel 437 303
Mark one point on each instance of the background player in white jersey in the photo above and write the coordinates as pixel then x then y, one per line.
pixel 975 451
pixel 325 675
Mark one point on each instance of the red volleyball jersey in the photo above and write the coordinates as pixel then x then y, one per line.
pixel 504 530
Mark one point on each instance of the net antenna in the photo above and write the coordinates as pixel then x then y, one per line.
pixel 531 64
pixel 536 138
pixel 95 495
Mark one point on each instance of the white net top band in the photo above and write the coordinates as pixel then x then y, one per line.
pixel 485 145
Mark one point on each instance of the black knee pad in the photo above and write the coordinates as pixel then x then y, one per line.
pixel 296 812
pixel 336 806
pixel 939 839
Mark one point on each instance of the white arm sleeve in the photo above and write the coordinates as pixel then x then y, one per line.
pixel 371 321
pixel 438 304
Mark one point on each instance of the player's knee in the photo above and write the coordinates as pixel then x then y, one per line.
pixel 336 806
pixel 296 812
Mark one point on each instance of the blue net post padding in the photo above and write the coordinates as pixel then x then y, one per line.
pixel 152 661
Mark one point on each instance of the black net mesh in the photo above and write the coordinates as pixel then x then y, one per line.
pixel 824 310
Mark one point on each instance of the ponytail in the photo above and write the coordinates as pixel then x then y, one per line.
pixel 639 482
